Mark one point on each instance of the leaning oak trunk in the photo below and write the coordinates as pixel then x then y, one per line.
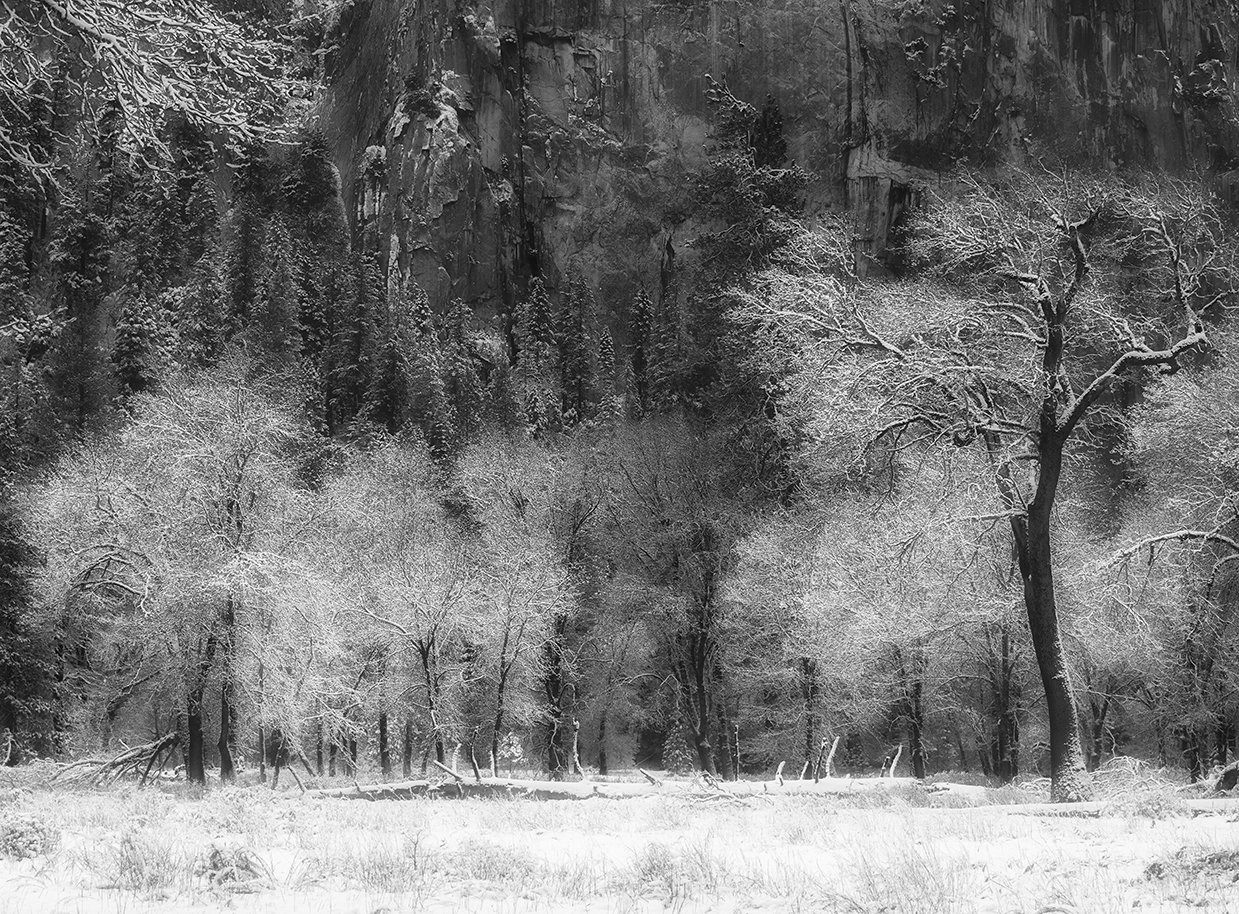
pixel 227 774
pixel 1068 776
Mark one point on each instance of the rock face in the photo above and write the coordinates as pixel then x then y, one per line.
pixel 481 143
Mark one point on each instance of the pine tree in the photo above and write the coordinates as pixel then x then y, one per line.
pixel 640 329
pixel 142 217
pixel 464 386
pixel 26 668
pixel 677 750
pixel 664 358
pixel 79 375
pixel 578 371
pixel 144 342
pixel 200 219
pixel 769 144
pixel 536 368
pixel 350 371
pixel 17 327
pixel 309 194
pixel 535 334
pixel 243 272
pixel 611 406
pixel 199 308
pixel 506 408
pixel 606 362
pixel 277 307
pixel 408 390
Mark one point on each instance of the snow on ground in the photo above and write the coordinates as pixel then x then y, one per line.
pixel 129 851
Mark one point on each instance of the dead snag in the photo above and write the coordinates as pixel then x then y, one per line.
pixel 831 758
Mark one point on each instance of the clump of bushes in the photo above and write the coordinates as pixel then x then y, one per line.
pixel 23 836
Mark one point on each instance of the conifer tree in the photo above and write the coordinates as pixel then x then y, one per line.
pixel 144 342
pixel 246 241
pixel 640 328
pixel 535 334
pixel 769 144
pixel 17 327
pixel 578 371
pixel 507 409
pixel 606 362
pixel 664 358
pixel 536 367
pixel 354 339
pixel 26 668
pixel 611 406
pixel 199 308
pixel 408 390
pixel 79 376
pixel 677 749
pixel 309 194
pixel 277 307
pixel 464 386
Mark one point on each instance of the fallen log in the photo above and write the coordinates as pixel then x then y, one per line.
pixel 461 787
pixel 403 790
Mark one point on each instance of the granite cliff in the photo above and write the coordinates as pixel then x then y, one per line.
pixel 480 143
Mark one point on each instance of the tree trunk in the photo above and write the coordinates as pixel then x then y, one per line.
pixel 735 749
pixel 553 687
pixel 693 676
pixel 406 750
pixel 602 742
pixel 227 713
pixel 987 767
pixel 426 651
pixel 1006 746
pixel 495 734
pixel 808 679
pixel 352 756
pixel 700 731
pixel 331 759
pixel 576 748
pixel 1097 728
pixel 554 751
pixel 911 666
pixel 195 767
pixel 384 748
pixel 1068 776
pixel 916 732
pixel 726 770
pixel 318 752
pixel 226 773
pixel 262 736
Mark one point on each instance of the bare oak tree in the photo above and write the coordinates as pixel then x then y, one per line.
pixel 1036 297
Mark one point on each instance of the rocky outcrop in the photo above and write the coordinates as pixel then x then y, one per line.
pixel 482 142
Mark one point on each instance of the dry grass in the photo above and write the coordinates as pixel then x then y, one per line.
pixel 250 850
